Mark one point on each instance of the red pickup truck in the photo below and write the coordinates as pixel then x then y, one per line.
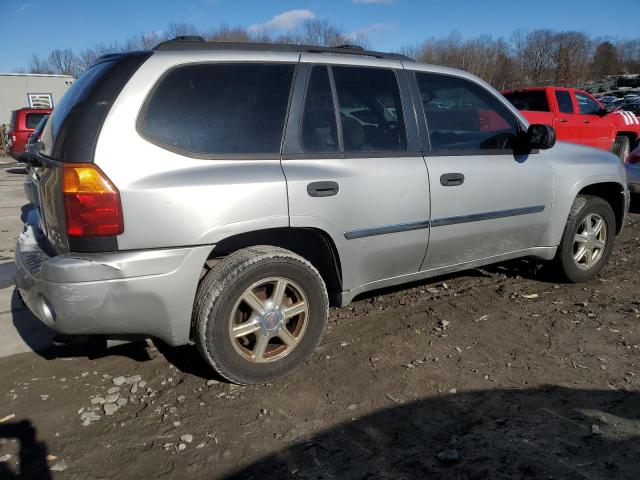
pixel 578 117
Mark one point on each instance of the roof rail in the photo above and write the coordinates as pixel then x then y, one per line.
pixel 198 43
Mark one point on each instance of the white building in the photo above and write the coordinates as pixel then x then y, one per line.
pixel 34 90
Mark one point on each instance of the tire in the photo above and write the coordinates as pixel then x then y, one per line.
pixel 223 303
pixel 585 207
pixel 622 147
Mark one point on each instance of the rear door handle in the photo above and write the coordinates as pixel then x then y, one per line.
pixel 586 121
pixel 322 189
pixel 451 179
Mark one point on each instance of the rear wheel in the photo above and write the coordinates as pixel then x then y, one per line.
pixel 259 314
pixel 622 147
pixel 587 240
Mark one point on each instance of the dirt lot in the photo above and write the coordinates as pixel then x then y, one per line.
pixel 493 373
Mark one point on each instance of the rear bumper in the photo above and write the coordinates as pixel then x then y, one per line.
pixel 147 292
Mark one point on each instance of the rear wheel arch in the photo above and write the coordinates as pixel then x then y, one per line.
pixel 314 245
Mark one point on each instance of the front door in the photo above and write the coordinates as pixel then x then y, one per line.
pixel 354 169
pixel 596 129
pixel 486 200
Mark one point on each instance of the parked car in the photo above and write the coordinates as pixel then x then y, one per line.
pixel 577 117
pixel 632 166
pixel 227 194
pixel 32 148
pixel 23 123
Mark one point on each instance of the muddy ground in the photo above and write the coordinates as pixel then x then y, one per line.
pixel 528 379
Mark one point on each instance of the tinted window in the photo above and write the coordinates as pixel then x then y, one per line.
pixel 319 127
pixel 587 105
pixel 33 119
pixel 72 132
pixel 220 108
pixel 462 115
pixel 370 109
pixel 564 101
pixel 534 101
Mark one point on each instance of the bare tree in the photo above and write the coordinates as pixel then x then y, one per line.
pixel 321 32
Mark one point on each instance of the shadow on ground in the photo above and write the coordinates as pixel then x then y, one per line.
pixel 547 433
pixel 32 456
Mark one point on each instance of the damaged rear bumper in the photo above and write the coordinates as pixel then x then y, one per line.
pixel 149 292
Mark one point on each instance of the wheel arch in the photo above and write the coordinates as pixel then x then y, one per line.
pixel 633 137
pixel 313 244
pixel 612 193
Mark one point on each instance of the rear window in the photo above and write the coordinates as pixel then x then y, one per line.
pixel 73 128
pixel 33 119
pixel 213 109
pixel 534 101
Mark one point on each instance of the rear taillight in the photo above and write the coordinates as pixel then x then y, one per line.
pixel 91 202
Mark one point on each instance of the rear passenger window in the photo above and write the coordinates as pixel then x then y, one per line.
pixel 565 105
pixel 370 109
pixel 220 108
pixel 464 117
pixel 319 127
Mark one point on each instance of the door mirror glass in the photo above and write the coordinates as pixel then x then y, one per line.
pixel 541 136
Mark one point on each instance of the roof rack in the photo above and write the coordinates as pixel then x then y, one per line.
pixel 198 43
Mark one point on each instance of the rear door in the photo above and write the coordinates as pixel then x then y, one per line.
pixel 486 200
pixel 354 168
pixel 568 124
pixel 596 129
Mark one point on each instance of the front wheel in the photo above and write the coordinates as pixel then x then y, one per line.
pixel 587 240
pixel 621 147
pixel 259 314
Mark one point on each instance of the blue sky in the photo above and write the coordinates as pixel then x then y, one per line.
pixel 390 24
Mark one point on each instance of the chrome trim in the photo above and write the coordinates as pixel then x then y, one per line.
pixel 400 227
pixel 478 217
pixel 441 222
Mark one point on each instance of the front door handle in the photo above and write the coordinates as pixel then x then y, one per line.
pixel 322 189
pixel 451 179
pixel 563 120
pixel 585 121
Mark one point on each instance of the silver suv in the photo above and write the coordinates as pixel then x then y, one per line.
pixel 227 194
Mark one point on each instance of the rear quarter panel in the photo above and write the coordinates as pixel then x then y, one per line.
pixel 172 200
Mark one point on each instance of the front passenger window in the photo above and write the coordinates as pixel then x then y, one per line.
pixel 587 105
pixel 462 117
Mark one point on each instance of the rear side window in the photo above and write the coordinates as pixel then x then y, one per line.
pixel 370 109
pixel 319 127
pixel 464 117
pixel 33 119
pixel 73 129
pixel 565 105
pixel 209 109
pixel 534 101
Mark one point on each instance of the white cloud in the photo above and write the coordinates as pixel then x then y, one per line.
pixel 24 7
pixel 284 21
pixel 374 2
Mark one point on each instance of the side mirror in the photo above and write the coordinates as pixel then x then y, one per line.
pixel 604 111
pixel 541 136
